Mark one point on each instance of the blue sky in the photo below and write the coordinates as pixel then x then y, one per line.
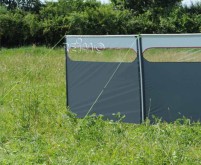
pixel 188 2
pixel 104 1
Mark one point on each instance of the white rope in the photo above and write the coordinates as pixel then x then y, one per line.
pixel 111 77
pixel 18 82
pixel 189 55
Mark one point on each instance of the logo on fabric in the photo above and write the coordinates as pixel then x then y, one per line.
pixel 80 46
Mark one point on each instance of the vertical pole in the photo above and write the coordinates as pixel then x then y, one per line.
pixel 139 46
pixel 66 68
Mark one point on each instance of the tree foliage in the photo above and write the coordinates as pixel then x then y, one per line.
pixel 24 22
pixel 26 5
pixel 139 6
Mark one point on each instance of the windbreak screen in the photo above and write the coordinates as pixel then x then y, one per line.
pixel 172 78
pixel 102 76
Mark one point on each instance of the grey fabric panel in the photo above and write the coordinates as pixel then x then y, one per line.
pixel 101 41
pixel 172 90
pixel 170 40
pixel 86 80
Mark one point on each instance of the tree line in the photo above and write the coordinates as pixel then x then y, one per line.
pixel 25 22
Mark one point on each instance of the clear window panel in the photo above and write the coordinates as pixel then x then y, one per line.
pixel 102 55
pixel 173 55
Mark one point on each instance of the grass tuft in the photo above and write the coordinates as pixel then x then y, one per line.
pixel 36 128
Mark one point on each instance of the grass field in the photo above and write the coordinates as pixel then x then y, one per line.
pixel 107 55
pixel 35 127
pixel 129 55
pixel 173 55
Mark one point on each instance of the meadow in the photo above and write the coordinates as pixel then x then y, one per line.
pixel 36 127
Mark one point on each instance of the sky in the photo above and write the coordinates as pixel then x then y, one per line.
pixel 187 2
pixel 104 1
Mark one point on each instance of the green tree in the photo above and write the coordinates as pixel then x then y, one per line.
pixel 26 5
pixel 12 29
pixel 139 6
pixel 10 4
pixel 29 5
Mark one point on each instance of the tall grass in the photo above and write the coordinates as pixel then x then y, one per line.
pixel 173 55
pixel 36 128
pixel 104 55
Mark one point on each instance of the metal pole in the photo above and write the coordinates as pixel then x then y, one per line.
pixel 139 46
pixel 66 66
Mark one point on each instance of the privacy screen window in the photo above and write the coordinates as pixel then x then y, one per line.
pixel 139 77
pixel 172 83
pixel 103 55
pixel 104 80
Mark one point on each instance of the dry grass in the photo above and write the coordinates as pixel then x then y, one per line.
pixel 106 55
pixel 36 128
pixel 173 55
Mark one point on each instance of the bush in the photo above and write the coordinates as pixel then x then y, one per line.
pixel 53 20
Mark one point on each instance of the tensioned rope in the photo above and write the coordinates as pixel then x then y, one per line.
pixel 113 74
pixel 22 78
pixel 189 56
pixel 109 80
pixel 100 94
